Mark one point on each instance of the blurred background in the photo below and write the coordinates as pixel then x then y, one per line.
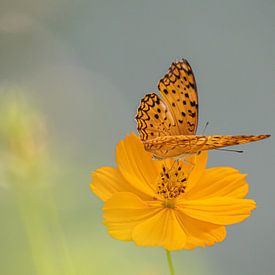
pixel 71 77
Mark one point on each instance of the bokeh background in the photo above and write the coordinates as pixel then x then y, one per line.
pixel 72 74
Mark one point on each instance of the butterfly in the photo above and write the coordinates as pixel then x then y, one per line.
pixel 167 125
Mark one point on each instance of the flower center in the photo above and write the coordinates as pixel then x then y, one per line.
pixel 171 183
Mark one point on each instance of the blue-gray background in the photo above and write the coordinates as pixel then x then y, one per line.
pixel 86 65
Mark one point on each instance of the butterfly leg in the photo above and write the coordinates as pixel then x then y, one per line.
pixel 189 161
pixel 193 161
pixel 172 166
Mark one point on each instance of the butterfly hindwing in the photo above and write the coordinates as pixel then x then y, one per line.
pixel 179 91
pixel 154 119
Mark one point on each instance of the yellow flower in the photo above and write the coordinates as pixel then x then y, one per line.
pixel 171 204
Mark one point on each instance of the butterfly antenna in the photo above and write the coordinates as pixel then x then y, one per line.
pixel 204 129
pixel 230 150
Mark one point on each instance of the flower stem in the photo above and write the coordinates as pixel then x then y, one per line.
pixel 169 259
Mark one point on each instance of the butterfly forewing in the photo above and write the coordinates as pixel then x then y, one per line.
pixel 179 146
pixel 178 89
pixel 215 142
pixel 175 146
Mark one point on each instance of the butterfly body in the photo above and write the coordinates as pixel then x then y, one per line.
pixel 167 124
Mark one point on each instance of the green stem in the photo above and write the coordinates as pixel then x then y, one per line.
pixel 169 259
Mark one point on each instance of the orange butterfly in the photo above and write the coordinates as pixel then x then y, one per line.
pixel 167 125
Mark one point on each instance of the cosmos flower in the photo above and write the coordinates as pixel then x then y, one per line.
pixel 172 204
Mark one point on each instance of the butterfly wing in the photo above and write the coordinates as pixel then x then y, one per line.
pixel 175 146
pixel 215 142
pixel 176 113
pixel 154 118
pixel 179 91
pixel 182 145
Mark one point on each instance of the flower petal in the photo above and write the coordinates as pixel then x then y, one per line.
pixel 218 210
pixel 162 229
pixel 136 165
pixel 200 233
pixel 219 182
pixel 199 161
pixel 122 212
pixel 107 181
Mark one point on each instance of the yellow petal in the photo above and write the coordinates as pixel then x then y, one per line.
pixel 200 233
pixel 219 182
pixel 218 210
pixel 136 165
pixel 199 161
pixel 122 212
pixel 108 180
pixel 162 229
